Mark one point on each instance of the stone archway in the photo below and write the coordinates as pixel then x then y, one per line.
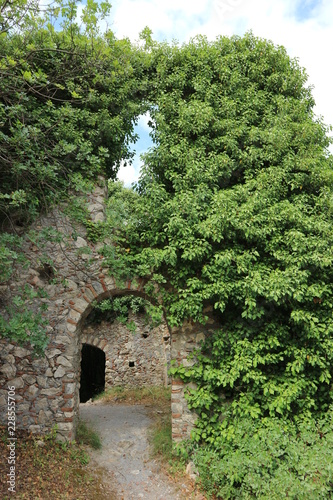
pixel 47 388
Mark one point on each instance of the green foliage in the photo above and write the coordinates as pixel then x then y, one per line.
pixel 235 210
pixel 118 308
pixel 69 96
pixel 96 231
pixel 86 435
pixel 269 460
pixel 161 439
pixel 10 246
pixel 68 100
pixel 22 324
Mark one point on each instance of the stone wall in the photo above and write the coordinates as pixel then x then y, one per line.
pixel 47 388
pixel 137 358
pixel 184 341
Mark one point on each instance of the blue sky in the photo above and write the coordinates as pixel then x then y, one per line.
pixel 306 9
pixel 304 27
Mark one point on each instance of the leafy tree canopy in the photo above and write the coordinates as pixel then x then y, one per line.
pixel 236 211
pixel 69 96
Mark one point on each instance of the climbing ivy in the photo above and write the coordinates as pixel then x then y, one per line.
pixel 234 209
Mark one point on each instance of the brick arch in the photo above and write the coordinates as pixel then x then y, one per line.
pixel 80 305
pixel 94 341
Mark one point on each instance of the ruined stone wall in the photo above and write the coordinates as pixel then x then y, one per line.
pixel 139 358
pixel 47 388
pixel 184 342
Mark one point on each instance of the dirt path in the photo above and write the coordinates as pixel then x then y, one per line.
pixel 129 473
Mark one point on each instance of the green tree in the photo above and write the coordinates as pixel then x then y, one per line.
pixel 69 97
pixel 236 212
pixel 68 100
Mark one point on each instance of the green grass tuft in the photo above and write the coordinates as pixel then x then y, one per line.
pixel 86 435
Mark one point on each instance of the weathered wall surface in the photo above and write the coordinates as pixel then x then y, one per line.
pixel 184 341
pixel 47 388
pixel 137 358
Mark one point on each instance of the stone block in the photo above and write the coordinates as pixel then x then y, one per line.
pixel 18 383
pixel 71 284
pixel 71 327
pixel 23 407
pixel 63 361
pixel 200 337
pixel 80 304
pixel 99 217
pixel 29 379
pixel 42 381
pixel 41 404
pixel 177 408
pixel 53 391
pixel 8 370
pixel 40 363
pixel 20 352
pixel 74 315
pixel 80 242
pixel 44 417
pixel 60 372
pixel 69 388
pixel 98 287
pixel 32 390
pixel 65 426
pixel 9 358
pixel 35 429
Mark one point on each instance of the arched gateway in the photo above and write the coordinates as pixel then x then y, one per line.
pixel 47 388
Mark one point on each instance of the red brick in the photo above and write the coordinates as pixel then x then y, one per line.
pixel 71 321
pixel 76 309
pixel 104 285
pixel 93 291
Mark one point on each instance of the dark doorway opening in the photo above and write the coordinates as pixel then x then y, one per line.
pixel 92 372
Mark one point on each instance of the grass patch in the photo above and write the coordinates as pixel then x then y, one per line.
pixel 46 468
pixel 160 438
pixel 86 435
pixel 159 396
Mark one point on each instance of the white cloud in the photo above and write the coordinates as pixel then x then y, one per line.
pixel 129 174
pixel 143 122
pixel 308 39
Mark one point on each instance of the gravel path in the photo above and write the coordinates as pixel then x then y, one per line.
pixel 125 453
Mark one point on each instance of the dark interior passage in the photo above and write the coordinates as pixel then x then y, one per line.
pixel 92 372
